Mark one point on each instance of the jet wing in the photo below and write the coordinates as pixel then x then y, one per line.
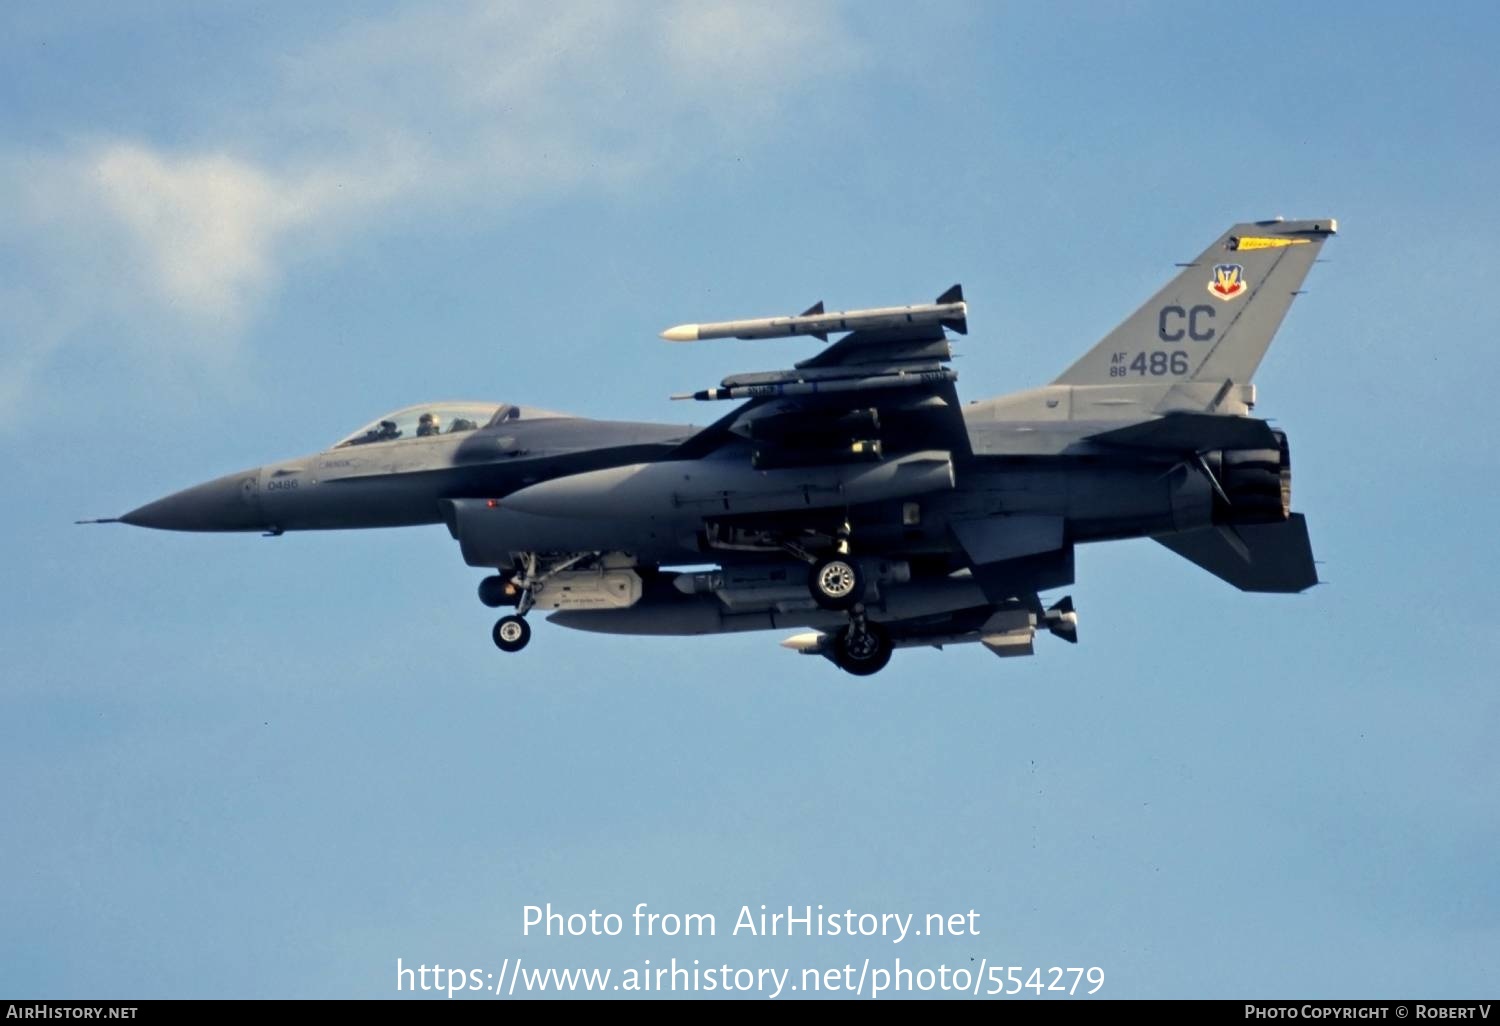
pixel 884 388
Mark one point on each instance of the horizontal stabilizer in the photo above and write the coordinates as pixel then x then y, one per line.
pixel 1191 433
pixel 1273 557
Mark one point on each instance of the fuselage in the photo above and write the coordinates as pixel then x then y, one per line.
pixel 639 504
pixel 1016 469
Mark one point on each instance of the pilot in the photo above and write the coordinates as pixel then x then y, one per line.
pixel 382 432
pixel 427 425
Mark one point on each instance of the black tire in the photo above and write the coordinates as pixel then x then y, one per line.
pixel 836 583
pixel 511 633
pixel 493 591
pixel 868 654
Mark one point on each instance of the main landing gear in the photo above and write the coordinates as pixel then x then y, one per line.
pixel 837 582
pixel 864 647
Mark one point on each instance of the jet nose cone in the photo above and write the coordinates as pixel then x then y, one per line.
pixel 229 503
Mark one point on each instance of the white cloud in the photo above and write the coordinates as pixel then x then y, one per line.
pixel 203 225
pixel 431 109
pixel 723 47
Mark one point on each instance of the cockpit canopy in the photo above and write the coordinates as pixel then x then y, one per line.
pixel 430 420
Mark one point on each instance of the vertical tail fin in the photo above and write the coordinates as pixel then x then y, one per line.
pixel 1215 320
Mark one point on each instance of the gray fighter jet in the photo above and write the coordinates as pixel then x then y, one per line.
pixel 851 495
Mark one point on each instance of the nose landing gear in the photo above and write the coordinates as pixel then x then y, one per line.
pixel 511 633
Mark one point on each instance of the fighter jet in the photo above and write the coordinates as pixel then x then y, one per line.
pixel 852 496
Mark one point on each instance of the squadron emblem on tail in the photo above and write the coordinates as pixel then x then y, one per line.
pixel 1228 281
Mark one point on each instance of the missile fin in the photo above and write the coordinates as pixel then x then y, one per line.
pixel 816 308
pixel 955 294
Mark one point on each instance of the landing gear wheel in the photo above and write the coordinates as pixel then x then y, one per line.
pixel 511 633
pixel 836 583
pixel 497 590
pixel 862 652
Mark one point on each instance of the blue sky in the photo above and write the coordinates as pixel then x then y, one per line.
pixel 246 767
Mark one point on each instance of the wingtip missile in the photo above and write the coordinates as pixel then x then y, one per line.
pixel 950 311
